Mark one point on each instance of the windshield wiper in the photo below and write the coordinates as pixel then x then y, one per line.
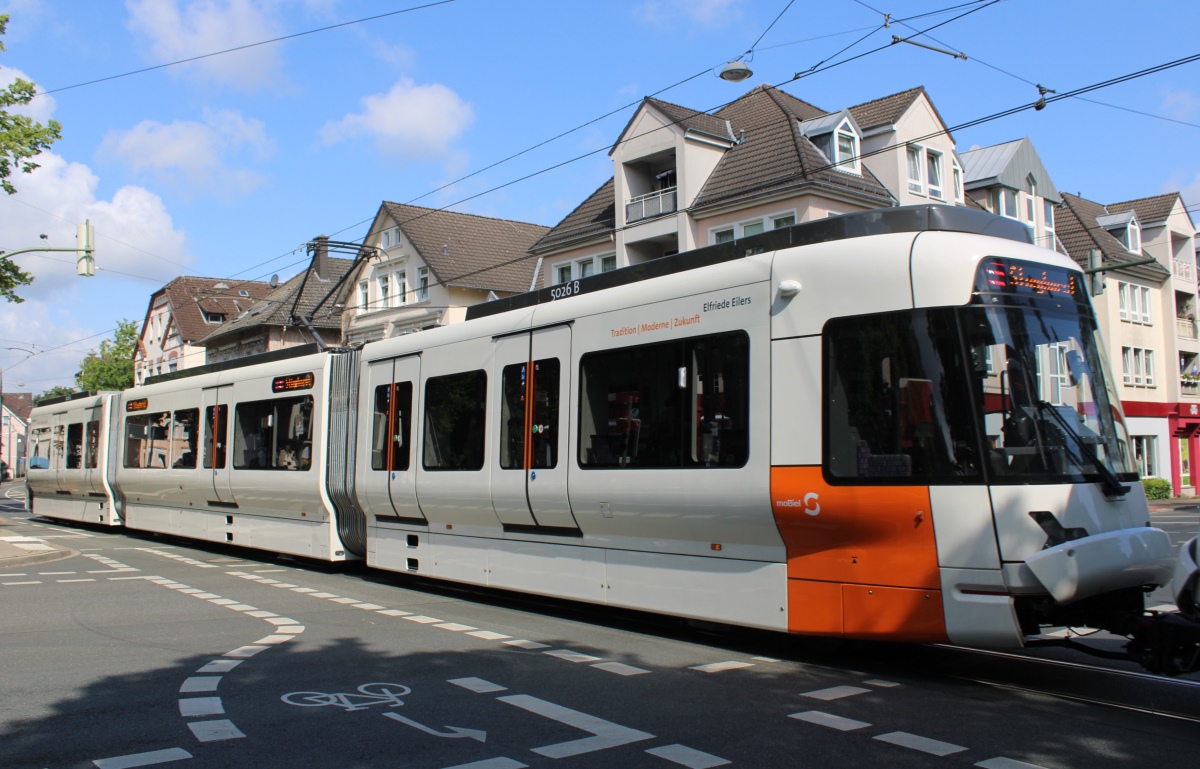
pixel 1110 482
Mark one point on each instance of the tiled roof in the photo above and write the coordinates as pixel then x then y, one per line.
pixel 594 216
pixel 1149 210
pixel 691 119
pixel 189 296
pixel 773 155
pixel 275 309
pixel 887 109
pixel 1075 224
pixel 20 404
pixel 468 251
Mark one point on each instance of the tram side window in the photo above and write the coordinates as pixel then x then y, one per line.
pixel 216 420
pixel 455 413
pixel 92 452
pixel 40 458
pixel 147 443
pixel 896 404
pixel 273 434
pixel 392 419
pixel 184 437
pixel 541 425
pixel 74 446
pixel 668 405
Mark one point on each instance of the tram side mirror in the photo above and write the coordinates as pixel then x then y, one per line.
pixel 979 360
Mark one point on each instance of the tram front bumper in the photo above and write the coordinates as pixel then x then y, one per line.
pixel 1102 563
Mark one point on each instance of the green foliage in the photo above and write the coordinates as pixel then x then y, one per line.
pixel 1157 488
pixel 54 392
pixel 110 367
pixel 21 140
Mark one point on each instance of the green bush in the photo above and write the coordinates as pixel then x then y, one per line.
pixel 1157 488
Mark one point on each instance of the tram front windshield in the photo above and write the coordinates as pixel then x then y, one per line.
pixel 1011 389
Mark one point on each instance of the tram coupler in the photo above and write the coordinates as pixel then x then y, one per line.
pixel 1166 644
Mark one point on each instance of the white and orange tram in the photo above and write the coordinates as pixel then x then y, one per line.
pixel 895 425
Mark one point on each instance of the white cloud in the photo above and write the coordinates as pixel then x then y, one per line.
pixel 192 154
pixel 1180 104
pixel 704 13
pixel 180 29
pixel 40 109
pixel 410 121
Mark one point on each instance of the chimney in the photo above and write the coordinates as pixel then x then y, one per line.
pixel 321 257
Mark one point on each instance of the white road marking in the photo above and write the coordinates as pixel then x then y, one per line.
pixel 343 599
pixel 422 619
pixel 619 668
pixel 222 601
pixel 266 581
pixel 242 607
pixel 220 666
pixel 718 667
pixel 293 629
pixel 1001 762
pixel 274 639
pixel 830 720
pixel 283 584
pixel 323 595
pixel 923 744
pixel 201 706
pixel 236 573
pixel 194 684
pixel 487 635
pixel 765 659
pixel 54 573
pixel 211 731
pixel 246 651
pixel 368 606
pixel 142 759
pixel 261 614
pixel 605 734
pixel 191 591
pixel 570 656
pixel 1164 607
pixel 277 620
pixel 880 683
pixel 521 644
pixel 396 613
pixel 16 574
pixel 21 583
pixel 303 590
pixel 269 571
pixel 89 579
pixel 208 596
pixel 492 763
pixel 478 685
pixel 835 692
pixel 689 757
pixel 117 579
pixel 456 627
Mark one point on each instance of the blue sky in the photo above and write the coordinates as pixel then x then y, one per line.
pixel 224 166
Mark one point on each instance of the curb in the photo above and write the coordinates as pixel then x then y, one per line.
pixel 36 558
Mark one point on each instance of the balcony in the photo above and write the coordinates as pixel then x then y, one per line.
pixel 1185 328
pixel 1183 269
pixel 651 204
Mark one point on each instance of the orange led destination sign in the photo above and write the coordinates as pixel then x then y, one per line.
pixel 292 382
pixel 1008 276
pixel 141 404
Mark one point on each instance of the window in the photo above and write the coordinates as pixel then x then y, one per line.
pixel 1048 223
pixel 273 434
pixel 214 317
pixel 401 288
pixel 723 236
pixel 608 263
pixel 386 240
pixel 146 440
pixel 384 284
pixel 391 426
pixel 422 284
pixel 215 421
pixel 914 170
pixel 958 181
pixel 780 222
pixel 753 228
pixel 1145 452
pixel 1031 200
pixel 1134 303
pixel 586 267
pixel 1137 366
pixel 516 421
pixel 681 404
pixel 1134 237
pixel 455 413
pixel 92 453
pixel 563 273
pixel 74 446
pixel 934 164
pixel 185 436
pixel 364 295
pixel 1004 202
pixel 39 459
pixel 847 149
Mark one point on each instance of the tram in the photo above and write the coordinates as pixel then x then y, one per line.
pixel 895 425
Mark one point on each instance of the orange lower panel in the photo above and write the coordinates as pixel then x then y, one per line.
pixel 865 611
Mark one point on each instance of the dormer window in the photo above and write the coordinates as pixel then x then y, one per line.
pixel 915 183
pixel 214 317
pixel 1133 237
pixel 933 160
pixel 847 148
pixel 958 181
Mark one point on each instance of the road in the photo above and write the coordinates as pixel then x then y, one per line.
pixel 140 651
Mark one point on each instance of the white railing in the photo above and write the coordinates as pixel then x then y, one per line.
pixel 1185 328
pixel 1183 269
pixel 650 204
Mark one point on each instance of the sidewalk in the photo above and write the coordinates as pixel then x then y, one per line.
pixel 1167 505
pixel 17 551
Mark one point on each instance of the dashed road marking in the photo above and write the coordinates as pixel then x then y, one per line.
pixel 220 666
pixel 343 599
pixel 478 685
pixel 246 651
pixel 880 683
pixel 142 759
pixel 570 656
pixel 522 644
pixel 830 720
pixel 455 626
pixel 492 763
pixel 720 667
pixel 396 613
pixel 201 706
pixel 923 744
pixel 689 757
pixel 620 668
pixel 486 635
pixel 422 619
pixel 212 731
pixel 368 606
pixel 1001 762
pixel 194 684
pixel 21 583
pixel 835 692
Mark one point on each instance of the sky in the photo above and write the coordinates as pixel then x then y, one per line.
pixel 225 166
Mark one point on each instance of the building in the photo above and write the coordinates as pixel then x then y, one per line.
pixel 422 267
pixel 1010 180
pixel 180 314
pixel 13 431
pixel 298 312
pixel 683 179
pixel 1147 315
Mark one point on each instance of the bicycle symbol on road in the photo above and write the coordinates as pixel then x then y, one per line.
pixel 368 695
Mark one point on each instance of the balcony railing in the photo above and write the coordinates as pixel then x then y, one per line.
pixel 1183 269
pixel 1185 328
pixel 650 204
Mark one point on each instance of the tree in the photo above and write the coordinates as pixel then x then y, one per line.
pixel 54 392
pixel 21 140
pixel 110 367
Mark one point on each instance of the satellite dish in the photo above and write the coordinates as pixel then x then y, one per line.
pixel 274 281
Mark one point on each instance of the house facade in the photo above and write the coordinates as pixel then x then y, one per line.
pixel 14 430
pixel 1010 180
pixel 423 267
pixel 684 179
pixel 1147 315
pixel 180 314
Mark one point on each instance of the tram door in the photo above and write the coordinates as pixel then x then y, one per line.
pixel 529 439
pixel 386 481
pixel 93 448
pixel 58 449
pixel 217 403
